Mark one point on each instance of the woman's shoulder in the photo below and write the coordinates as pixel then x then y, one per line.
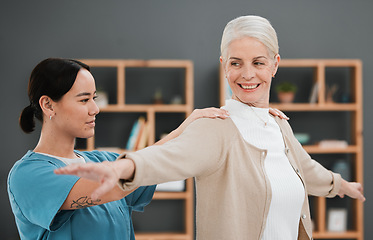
pixel 31 168
pixel 217 128
pixel 215 124
pixel 33 159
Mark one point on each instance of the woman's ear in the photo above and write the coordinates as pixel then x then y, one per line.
pixel 277 63
pixel 46 105
pixel 222 66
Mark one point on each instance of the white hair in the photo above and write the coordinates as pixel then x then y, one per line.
pixel 250 26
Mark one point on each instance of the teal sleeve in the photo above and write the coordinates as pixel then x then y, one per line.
pixel 140 198
pixel 38 193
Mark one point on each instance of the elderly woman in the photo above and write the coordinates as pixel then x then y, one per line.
pixel 252 175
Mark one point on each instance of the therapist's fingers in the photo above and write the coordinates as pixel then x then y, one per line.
pixel 276 112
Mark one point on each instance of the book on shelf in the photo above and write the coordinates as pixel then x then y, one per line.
pixel 134 134
pixel 142 139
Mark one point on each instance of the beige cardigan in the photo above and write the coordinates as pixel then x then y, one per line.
pixel 233 191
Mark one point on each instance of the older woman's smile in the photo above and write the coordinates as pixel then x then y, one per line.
pixel 248 86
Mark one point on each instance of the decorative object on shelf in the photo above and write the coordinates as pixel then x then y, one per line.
pixel 177 100
pixel 158 97
pixel 345 98
pixel 330 92
pixel 286 91
pixel 102 99
pixel 333 143
pixel 337 220
pixel 314 93
pixel 303 138
pixel 342 167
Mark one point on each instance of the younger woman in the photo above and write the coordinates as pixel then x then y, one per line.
pixel 62 96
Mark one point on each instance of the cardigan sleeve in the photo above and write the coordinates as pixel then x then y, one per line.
pixel 199 150
pixel 319 181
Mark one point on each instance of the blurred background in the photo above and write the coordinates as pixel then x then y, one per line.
pixel 167 29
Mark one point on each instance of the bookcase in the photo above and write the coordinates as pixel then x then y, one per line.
pixel 321 74
pixel 116 73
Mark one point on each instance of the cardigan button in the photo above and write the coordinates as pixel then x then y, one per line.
pixel 304 216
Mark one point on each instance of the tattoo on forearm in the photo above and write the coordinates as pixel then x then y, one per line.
pixel 83 202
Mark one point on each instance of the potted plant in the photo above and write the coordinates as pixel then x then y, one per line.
pixel 286 91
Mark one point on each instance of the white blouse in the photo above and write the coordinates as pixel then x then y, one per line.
pixel 258 128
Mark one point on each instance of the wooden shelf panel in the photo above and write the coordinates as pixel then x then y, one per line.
pixel 146 108
pixel 319 62
pixel 336 235
pixel 162 236
pixel 317 149
pixel 308 107
pixel 171 195
pixel 154 63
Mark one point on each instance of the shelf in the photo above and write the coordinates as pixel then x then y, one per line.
pixel 317 149
pixel 146 108
pixel 162 236
pixel 122 67
pixel 336 235
pixel 320 63
pixel 315 107
pixel 171 195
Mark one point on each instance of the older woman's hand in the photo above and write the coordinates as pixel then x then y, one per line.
pixel 351 189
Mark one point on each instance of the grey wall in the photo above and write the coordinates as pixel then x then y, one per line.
pixel 167 29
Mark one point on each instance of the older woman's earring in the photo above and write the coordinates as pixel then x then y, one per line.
pixel 50 117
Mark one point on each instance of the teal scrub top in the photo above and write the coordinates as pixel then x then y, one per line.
pixel 36 195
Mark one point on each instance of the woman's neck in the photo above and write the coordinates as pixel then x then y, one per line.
pixel 257 104
pixel 55 144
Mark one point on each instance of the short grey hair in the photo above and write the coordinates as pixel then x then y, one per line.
pixel 250 26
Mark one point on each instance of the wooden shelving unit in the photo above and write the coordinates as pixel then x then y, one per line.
pixel 150 110
pixel 318 68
